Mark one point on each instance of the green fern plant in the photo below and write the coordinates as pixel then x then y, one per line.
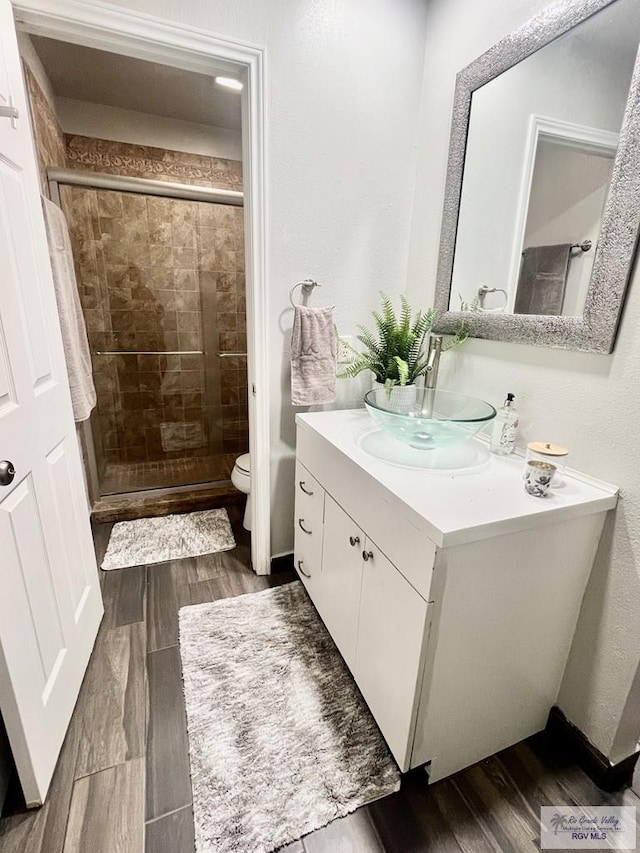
pixel 394 350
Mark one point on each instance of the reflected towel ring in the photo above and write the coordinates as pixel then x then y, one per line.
pixel 308 282
pixel 483 291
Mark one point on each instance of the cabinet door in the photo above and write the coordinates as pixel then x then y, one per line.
pixel 309 511
pixel 341 578
pixel 392 632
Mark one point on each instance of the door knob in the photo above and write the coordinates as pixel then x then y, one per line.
pixel 7 472
pixel 367 555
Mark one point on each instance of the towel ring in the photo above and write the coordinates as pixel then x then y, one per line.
pixel 482 292
pixel 308 282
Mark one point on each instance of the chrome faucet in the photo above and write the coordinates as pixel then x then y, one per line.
pixel 433 360
pixel 431 374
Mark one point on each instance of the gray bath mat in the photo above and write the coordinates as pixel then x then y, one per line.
pixel 170 537
pixel 280 740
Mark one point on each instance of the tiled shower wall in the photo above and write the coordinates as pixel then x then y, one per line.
pixel 167 275
pixel 48 135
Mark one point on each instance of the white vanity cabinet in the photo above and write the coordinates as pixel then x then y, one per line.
pixel 452 597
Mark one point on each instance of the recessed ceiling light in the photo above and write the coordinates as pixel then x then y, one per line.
pixel 229 83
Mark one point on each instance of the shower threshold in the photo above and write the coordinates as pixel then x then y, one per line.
pixel 123 478
pixel 156 502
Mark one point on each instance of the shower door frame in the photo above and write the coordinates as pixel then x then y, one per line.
pixel 130 33
pixel 58 177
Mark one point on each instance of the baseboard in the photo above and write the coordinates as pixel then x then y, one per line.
pixel 608 776
pixel 283 563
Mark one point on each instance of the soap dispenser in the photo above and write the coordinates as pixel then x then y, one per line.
pixel 505 427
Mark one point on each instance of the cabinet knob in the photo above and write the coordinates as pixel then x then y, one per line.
pixel 303 528
pixel 354 540
pixel 306 491
pixel 301 570
pixel 367 555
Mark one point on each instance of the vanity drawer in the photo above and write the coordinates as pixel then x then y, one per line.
pixel 386 520
pixel 308 520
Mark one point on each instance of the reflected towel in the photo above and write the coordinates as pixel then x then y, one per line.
pixel 313 356
pixel 543 279
pixel 72 326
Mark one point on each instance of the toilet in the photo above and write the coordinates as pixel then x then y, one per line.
pixel 241 479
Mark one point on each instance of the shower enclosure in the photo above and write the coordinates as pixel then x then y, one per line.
pixel 160 270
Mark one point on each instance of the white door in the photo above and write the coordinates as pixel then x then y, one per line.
pixel 50 603
pixel 341 578
pixel 392 633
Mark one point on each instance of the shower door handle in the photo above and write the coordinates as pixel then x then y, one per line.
pixel 7 472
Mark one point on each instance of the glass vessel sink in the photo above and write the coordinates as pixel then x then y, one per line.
pixel 435 418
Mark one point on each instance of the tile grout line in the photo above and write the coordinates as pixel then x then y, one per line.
pixel 169 813
pixel 162 648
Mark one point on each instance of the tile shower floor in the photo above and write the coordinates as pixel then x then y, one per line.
pixel 135 476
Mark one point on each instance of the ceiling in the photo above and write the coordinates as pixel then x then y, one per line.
pixel 135 84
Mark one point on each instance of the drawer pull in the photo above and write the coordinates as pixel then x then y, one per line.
pixel 354 540
pixel 303 528
pixel 306 491
pixel 301 570
pixel 367 555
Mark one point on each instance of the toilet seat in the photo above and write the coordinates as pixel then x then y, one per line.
pixel 243 463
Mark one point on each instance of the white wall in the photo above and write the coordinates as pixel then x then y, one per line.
pixel 588 402
pixel 102 122
pixel 344 80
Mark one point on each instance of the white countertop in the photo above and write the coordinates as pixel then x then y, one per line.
pixel 484 499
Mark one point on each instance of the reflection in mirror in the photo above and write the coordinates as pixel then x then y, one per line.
pixel 539 156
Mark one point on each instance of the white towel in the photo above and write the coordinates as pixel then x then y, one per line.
pixel 313 356
pixel 74 332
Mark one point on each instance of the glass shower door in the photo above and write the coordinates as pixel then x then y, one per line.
pixel 161 283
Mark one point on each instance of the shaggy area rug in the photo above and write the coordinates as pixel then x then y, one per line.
pixel 170 537
pixel 280 739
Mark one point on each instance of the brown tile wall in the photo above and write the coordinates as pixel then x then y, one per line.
pixel 48 135
pixel 150 270
pixel 143 161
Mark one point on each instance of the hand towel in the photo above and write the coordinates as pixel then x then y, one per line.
pixel 74 332
pixel 543 279
pixel 313 356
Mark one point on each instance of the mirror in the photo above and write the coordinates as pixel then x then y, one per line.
pixel 542 201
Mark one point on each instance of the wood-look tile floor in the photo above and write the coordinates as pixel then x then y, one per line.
pixel 122 782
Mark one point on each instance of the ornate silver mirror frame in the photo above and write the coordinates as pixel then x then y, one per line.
pixel 596 330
